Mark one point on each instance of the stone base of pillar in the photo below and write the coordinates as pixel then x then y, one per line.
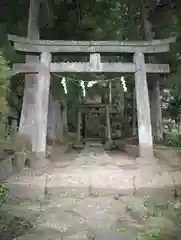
pixel 37 160
pixel 78 145
pixel 108 145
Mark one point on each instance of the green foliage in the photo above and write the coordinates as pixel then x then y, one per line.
pixel 173 140
pixel 160 222
pixel 168 211
pixel 4 87
pixel 3 194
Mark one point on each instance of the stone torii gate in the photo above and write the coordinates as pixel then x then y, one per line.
pixel 45 66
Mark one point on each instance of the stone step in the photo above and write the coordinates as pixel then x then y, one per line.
pixel 95 182
pixel 79 146
pixel 93 144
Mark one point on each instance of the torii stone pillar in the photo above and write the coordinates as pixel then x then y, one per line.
pixel 42 99
pixel 143 108
pixel 28 120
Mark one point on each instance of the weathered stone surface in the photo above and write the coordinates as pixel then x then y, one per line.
pixel 42 234
pixel 78 146
pixel 92 156
pixel 168 155
pixel 72 210
pixel 109 235
pixel 135 206
pixel 24 209
pixel 19 161
pixel 77 236
pixel 5 168
pixel 26 187
pixel 161 226
pixel 70 183
pixel 120 144
pixel 63 221
pixel 36 162
pixel 111 183
pixel 60 201
pixel 132 150
pixel 152 183
pixel 101 212
pixel 108 145
pixel 176 176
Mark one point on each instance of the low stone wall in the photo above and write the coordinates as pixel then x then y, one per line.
pixel 5 168
pixel 168 155
pixel 165 154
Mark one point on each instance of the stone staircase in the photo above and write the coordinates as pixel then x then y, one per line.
pixel 85 198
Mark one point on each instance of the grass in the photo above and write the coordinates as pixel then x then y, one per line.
pixel 12 227
pixel 157 232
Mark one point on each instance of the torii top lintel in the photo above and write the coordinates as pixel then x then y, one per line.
pixel 38 46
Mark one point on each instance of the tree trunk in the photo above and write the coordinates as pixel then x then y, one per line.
pixel 156 111
pixel 28 124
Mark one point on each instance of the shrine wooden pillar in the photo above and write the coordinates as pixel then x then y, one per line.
pixel 79 118
pixel 108 125
pixel 143 108
pixel 42 99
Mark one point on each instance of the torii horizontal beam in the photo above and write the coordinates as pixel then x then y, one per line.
pixel 38 46
pixel 87 67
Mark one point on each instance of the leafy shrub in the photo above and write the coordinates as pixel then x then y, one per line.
pixel 178 154
pixel 173 140
pixel 3 194
pixel 5 75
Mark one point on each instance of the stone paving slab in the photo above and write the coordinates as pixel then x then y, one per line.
pixel 151 179
pixel 42 234
pixel 112 183
pixel 71 183
pixel 63 221
pixel 24 209
pixel 26 187
pixel 109 235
